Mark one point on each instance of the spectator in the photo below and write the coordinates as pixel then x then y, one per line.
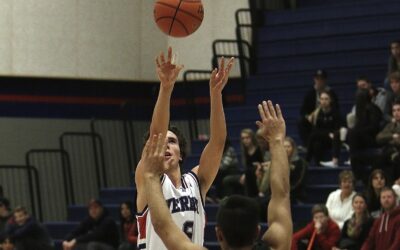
pixel 128 227
pixel 324 121
pixel 377 180
pixel 251 156
pixel 5 214
pixel 385 232
pixel 298 169
pixel 322 233
pixel 97 232
pixel 394 80
pixel 263 144
pixel 339 201
pixel 229 167
pixel 356 229
pixel 27 233
pixel 311 102
pixel 389 138
pixel 7 244
pixel 362 135
pixel 394 60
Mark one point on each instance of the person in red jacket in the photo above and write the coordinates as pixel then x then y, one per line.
pixel 385 233
pixel 129 231
pixel 322 233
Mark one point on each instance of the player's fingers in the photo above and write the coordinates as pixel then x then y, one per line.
pixel 279 111
pixel 146 148
pixel 221 65
pixel 262 112
pixel 213 73
pixel 271 109
pixel 266 110
pixel 259 124
pixel 169 54
pixel 157 62
pixel 162 58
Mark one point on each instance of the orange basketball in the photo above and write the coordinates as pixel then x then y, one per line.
pixel 178 18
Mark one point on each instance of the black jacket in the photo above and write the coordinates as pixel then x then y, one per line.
pixel 103 230
pixel 310 100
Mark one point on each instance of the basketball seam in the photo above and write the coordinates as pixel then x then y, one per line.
pixel 176 20
pixel 183 11
pixel 173 19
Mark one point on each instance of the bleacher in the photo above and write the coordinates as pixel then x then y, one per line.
pixel 345 38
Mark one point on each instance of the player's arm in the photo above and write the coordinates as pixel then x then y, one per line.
pixel 167 73
pixel 153 160
pixel 279 233
pixel 211 156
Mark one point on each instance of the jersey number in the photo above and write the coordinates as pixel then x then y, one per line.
pixel 188 229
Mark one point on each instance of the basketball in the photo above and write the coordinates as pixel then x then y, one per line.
pixel 178 18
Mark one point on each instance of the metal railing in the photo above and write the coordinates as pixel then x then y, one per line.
pixel 54 171
pixel 21 184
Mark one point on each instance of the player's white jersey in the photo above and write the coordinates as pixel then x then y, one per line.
pixel 187 210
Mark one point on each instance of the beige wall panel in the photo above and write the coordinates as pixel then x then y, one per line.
pixel 6 35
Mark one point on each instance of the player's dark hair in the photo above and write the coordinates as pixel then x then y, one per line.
pixel 238 219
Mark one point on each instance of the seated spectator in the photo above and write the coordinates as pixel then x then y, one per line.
pixel 339 201
pixel 27 233
pixel 394 60
pixel 97 232
pixel 389 138
pixel 394 80
pixel 251 155
pixel 322 233
pixel 377 180
pixel 298 168
pixel 5 214
pixel 385 232
pixel 311 102
pixel 356 229
pixel 325 120
pixel 7 244
pixel 362 135
pixel 229 167
pixel 263 144
pixel 129 231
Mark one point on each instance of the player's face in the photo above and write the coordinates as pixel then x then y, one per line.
pixel 395 49
pixel 20 218
pixel 288 147
pixel 378 181
pixel 173 150
pixel 325 100
pixel 359 205
pixel 388 201
pixel 125 212
pixel 246 139
pixel 396 113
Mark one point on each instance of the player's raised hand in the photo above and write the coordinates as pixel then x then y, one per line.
pixel 153 156
pixel 167 70
pixel 219 76
pixel 272 123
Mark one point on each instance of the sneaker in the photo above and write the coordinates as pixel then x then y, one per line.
pixel 329 164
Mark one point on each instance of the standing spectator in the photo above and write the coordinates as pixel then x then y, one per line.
pixel 377 180
pixel 311 102
pixel 325 120
pixel 389 138
pixel 339 201
pixel 128 227
pixel 385 233
pixel 362 135
pixel 27 233
pixel 97 232
pixel 322 233
pixel 5 214
pixel 394 60
pixel 356 229
pixel 229 167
